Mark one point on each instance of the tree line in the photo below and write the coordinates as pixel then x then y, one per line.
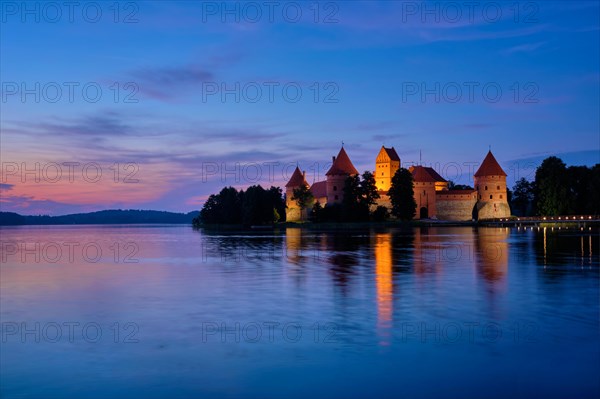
pixel 558 190
pixel 257 206
pixel 360 198
pixel 111 216
pixel 253 207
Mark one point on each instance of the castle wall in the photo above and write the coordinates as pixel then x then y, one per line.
pixel 456 207
pixel 335 189
pixel 492 210
pixel 292 212
pixel 424 194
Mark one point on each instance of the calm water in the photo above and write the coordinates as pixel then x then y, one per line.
pixel 166 311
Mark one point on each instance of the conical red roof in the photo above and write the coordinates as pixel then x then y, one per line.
pixel 297 179
pixel 490 167
pixel 342 165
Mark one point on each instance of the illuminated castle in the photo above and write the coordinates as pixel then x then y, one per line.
pixel 434 199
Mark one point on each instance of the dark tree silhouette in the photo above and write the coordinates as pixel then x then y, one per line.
pixel 454 186
pixel 401 193
pixel 317 213
pixel 359 196
pixel 351 207
pixel 551 187
pixel 522 200
pixel 369 193
pixel 255 206
pixel 381 214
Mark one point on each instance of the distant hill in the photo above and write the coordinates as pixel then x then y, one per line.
pixel 116 216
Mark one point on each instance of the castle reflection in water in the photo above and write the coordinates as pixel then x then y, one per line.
pixel 386 260
pixel 479 257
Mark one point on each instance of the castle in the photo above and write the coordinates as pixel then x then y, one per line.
pixel 434 200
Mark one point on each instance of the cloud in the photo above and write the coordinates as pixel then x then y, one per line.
pixel 584 157
pixel 97 125
pixel 6 187
pixel 28 205
pixel 168 83
pixel 523 48
pixel 382 138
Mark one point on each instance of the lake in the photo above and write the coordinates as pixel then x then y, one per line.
pixel 167 311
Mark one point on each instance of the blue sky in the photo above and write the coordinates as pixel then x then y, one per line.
pixel 441 79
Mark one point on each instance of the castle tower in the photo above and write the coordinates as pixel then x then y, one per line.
pixel 490 183
pixel 340 169
pixel 425 184
pixel 386 165
pixel 292 212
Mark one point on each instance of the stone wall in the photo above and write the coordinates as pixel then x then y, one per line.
pixel 424 193
pixel 492 210
pixel 335 189
pixel 492 198
pixel 456 206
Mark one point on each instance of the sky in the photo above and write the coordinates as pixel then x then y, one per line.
pixel 158 104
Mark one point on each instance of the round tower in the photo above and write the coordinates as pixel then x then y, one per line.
pixel 490 183
pixel 293 211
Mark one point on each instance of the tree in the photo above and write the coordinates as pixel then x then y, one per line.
pixel 254 209
pixel 401 193
pixel 593 203
pixel 359 196
pixel 523 195
pixel 277 202
pixel 317 213
pixel 579 178
pixel 222 208
pixel 304 198
pixel 369 192
pixel 255 206
pixel 352 209
pixel 551 187
pixel 381 214
pixel 230 209
pixel 454 186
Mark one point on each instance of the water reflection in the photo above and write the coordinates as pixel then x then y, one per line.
pixel 492 254
pixel 556 247
pixel 293 245
pixel 384 283
pixel 343 254
pixel 368 285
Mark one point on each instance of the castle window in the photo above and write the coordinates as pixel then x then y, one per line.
pixel 381 173
pixel 498 188
pixel 382 182
pixel 334 188
pixel 486 187
pixel 336 197
pixel 491 196
pixel 423 192
pixel 500 196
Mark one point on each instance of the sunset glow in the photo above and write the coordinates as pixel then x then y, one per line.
pixel 216 96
